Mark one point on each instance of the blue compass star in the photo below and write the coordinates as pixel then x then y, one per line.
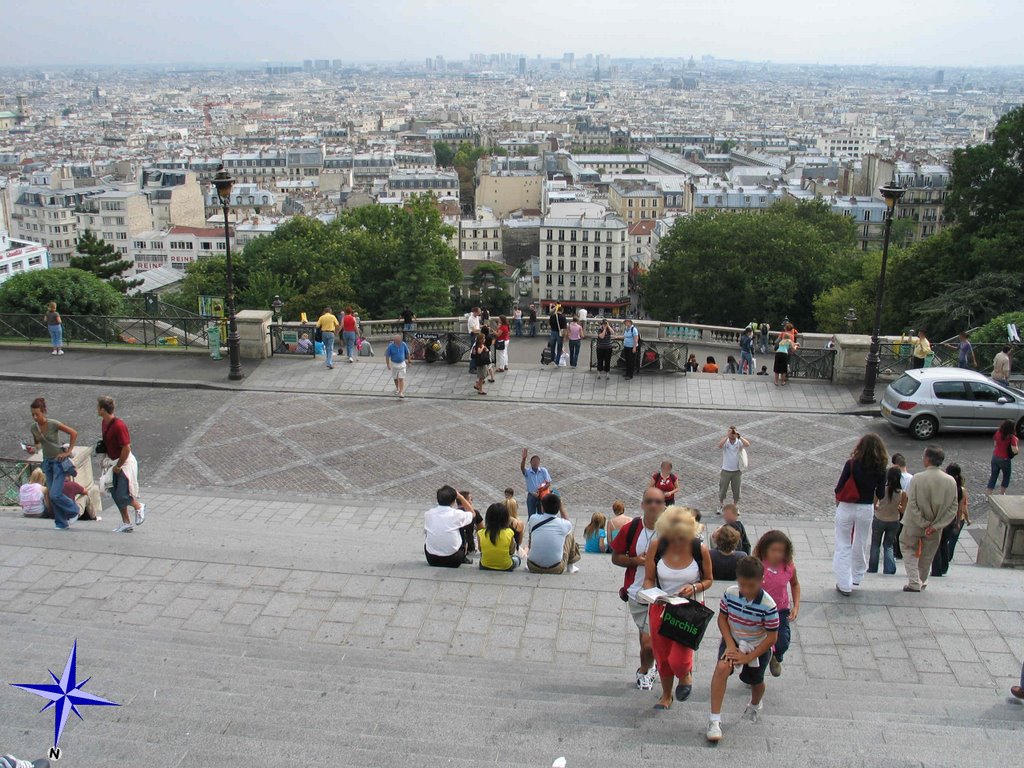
pixel 66 695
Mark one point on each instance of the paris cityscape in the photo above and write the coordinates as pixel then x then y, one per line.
pixel 578 386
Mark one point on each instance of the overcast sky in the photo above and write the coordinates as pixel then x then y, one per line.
pixel 908 32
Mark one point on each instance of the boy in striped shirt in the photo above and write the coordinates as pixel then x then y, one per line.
pixel 749 623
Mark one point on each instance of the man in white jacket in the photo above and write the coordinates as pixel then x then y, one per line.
pixel 119 457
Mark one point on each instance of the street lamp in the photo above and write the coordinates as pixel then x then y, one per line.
pixel 851 319
pixel 223 182
pixel 891 193
pixel 277 305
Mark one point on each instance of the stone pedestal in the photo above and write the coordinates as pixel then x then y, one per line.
pixel 254 333
pixel 1003 545
pixel 82 456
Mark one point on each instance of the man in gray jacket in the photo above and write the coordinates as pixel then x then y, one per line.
pixel 931 506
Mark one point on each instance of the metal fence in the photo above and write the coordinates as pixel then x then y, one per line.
pixel 812 364
pixel 13 473
pixel 667 356
pixel 895 357
pixel 184 332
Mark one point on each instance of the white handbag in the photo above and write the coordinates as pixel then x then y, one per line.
pixel 744 461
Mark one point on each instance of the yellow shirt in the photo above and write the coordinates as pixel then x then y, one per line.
pixel 922 348
pixel 327 323
pixel 496 557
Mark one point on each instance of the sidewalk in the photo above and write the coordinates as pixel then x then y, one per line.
pixel 526 382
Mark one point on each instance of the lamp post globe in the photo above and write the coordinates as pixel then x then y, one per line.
pixel 277 305
pixel 222 183
pixel 891 194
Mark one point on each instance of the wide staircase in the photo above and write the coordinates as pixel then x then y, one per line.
pixel 279 632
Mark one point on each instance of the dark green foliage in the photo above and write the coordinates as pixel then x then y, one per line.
pixel 75 291
pixel 102 259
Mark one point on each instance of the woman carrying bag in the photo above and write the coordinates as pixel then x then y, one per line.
pixel 482 358
pixel 861 484
pixel 679 565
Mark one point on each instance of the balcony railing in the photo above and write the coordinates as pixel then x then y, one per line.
pixel 112 331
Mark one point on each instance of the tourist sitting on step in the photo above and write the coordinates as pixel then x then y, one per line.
pixel 444 544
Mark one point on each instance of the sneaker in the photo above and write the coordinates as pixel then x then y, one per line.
pixel 714 732
pixel 54 352
pixel 351 360
pixel 646 681
pixel 752 712
pixel 140 515
pixel 775 666
pixel 574 569
pixel 124 528
pixel 60 351
pixel 10 761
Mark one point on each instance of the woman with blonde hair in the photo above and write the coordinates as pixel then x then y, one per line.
pixel 679 565
pixel 32 495
pixel 55 326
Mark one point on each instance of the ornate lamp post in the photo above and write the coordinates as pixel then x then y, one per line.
pixel 223 182
pixel 891 193
pixel 277 305
pixel 851 319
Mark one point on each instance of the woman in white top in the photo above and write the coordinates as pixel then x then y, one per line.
pixel 679 565
pixel 32 495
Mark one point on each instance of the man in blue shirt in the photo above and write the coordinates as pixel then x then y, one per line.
pixel 396 356
pixel 536 476
pixel 630 342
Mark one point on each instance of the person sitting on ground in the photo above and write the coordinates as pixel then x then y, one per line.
pixel 710 366
pixel 724 556
pixel 692 366
pixel 595 535
pixel 444 544
pixel 552 546
pixel 498 540
pixel 304 346
pixel 617 522
pixel 731 366
pixel 364 347
pixel 731 518
pixel 763 371
pixel 511 504
pixel 32 495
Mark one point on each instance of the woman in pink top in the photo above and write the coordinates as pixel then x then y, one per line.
pixel 575 333
pixel 775 551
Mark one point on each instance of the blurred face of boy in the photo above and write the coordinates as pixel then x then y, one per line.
pixel 749 588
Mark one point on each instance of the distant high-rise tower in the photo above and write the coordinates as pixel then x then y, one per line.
pixel 569 60
pixel 940 76
pixel 522 66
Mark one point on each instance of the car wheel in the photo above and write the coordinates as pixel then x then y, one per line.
pixel 924 427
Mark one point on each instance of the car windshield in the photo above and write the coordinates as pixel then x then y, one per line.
pixel 906 385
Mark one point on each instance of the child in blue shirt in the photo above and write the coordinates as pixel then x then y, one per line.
pixel 596 535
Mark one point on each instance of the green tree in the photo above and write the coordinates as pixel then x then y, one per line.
pixel 722 267
pixel 443 154
pixel 994 331
pixel 76 292
pixel 102 259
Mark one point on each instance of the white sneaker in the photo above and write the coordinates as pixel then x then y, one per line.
pixel 351 360
pixel 645 680
pixel 574 569
pixel 54 352
pixel 140 515
pixel 752 712
pixel 10 761
pixel 124 528
pixel 60 351
pixel 714 732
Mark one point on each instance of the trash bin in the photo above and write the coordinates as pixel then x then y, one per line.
pixel 213 337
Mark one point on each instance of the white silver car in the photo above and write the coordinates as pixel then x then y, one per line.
pixel 925 401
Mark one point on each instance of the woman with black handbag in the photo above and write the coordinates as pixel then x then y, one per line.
pixel 679 565
pixel 482 358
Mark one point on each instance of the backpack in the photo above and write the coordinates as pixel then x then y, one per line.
pixel 698 557
pixel 629 534
pixel 545 356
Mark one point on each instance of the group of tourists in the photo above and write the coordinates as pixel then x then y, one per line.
pixel 51 490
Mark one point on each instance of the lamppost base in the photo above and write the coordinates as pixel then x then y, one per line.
pixel 866 399
pixel 236 375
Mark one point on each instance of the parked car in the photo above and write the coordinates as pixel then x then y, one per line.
pixel 926 401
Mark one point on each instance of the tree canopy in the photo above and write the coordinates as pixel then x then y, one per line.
pixel 377 258
pixel 76 292
pixel 102 259
pixel 733 268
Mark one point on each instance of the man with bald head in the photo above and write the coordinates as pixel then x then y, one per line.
pixel 629 551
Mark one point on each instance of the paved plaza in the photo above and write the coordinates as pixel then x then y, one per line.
pixel 275 608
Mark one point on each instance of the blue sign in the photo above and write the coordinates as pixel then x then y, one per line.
pixel 65 695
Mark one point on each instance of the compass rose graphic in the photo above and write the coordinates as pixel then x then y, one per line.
pixel 66 695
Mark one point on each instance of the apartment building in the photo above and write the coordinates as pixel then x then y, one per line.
pixel 851 143
pixel 641 245
pixel 636 200
pixel 602 164
pixel 406 183
pixel 175 197
pixel 115 216
pixel 18 256
pixel 926 186
pixel 176 247
pixel 45 211
pixel 480 238
pixel 584 262
pixel 722 196
pixel 505 191
pixel 867 213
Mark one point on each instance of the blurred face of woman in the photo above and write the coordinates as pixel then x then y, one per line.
pixel 39 416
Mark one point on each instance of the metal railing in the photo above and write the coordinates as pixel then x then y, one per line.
pixel 817 364
pixel 108 331
pixel 651 355
pixel 13 473
pixel 897 356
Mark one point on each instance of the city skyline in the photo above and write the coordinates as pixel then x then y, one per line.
pixel 936 33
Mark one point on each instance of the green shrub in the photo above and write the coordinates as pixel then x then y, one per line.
pixel 994 331
pixel 76 293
